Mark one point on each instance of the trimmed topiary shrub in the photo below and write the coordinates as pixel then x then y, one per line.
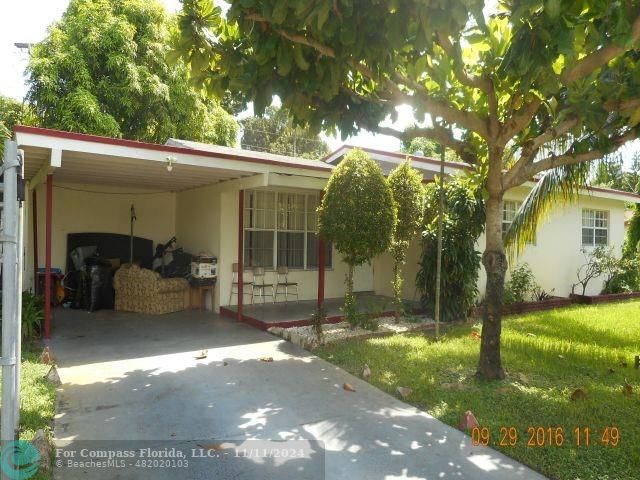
pixel 357 215
pixel 408 194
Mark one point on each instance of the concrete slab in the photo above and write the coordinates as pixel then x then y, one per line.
pixel 130 377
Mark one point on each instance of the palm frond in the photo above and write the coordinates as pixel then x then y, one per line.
pixel 560 184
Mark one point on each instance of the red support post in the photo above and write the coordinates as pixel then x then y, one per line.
pixel 34 210
pixel 240 253
pixel 321 262
pixel 47 261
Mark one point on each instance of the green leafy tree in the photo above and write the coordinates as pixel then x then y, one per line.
pixel 528 88
pixel 12 113
pixel 463 223
pixel 357 214
pixel 408 194
pixel 429 148
pixel 632 241
pixel 275 132
pixel 610 172
pixel 102 69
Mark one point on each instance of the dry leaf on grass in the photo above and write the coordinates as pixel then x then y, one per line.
pixel 46 357
pixel 468 422
pixel 627 388
pixel 403 392
pixel 266 359
pixel 348 387
pixel 578 394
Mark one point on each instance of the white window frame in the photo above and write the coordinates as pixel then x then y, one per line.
pixel 305 231
pixel 507 223
pixel 593 227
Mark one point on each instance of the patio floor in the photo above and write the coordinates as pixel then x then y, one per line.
pixel 298 313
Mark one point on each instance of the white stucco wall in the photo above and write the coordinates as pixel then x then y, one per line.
pixel 77 211
pixel 556 255
pixel 554 259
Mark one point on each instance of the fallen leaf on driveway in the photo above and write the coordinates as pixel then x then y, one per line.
pixel 266 359
pixel 211 446
pixel 348 387
pixel 202 354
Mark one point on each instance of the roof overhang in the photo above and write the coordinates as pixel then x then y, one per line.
pixel 431 166
pixel 426 165
pixel 89 159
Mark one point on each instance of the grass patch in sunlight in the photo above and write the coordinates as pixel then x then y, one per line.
pixel 547 356
pixel 37 397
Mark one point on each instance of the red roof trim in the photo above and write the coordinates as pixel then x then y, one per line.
pixel 156 147
pixel 433 161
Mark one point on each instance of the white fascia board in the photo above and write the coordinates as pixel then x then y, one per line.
pixel 297 181
pixel 254 181
pixel 182 158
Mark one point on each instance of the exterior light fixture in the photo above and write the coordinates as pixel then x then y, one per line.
pixel 170 161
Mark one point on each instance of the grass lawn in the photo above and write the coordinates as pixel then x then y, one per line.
pixel 37 397
pixel 547 356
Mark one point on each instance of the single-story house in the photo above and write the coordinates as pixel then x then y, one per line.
pixel 251 208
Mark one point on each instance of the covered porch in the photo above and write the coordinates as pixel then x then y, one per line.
pixel 194 192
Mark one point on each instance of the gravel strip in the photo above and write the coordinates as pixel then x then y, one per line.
pixel 336 332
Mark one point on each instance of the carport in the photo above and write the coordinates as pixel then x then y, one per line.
pixel 77 182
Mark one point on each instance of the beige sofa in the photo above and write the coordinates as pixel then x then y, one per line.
pixel 145 291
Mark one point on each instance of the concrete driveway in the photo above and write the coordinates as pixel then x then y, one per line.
pixel 131 381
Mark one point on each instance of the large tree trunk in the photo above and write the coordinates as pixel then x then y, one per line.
pixel 495 264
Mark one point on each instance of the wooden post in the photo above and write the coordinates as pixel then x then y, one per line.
pixel 321 262
pixel 240 253
pixel 47 260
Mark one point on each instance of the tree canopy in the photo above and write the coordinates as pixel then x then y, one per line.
pixel 275 132
pixel 516 91
pixel 102 69
pixel 12 113
pixel 428 148
pixel 611 173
